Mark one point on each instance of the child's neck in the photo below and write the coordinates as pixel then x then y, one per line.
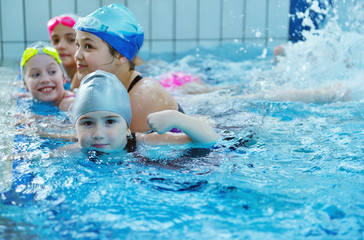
pixel 126 77
pixel 71 71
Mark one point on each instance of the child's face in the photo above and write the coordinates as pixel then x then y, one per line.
pixel 103 131
pixel 44 78
pixel 92 54
pixel 63 38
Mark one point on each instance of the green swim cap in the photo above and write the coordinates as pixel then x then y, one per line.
pixel 39 48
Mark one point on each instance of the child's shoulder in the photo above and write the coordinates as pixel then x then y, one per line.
pixel 68 99
pixel 69 94
pixel 148 86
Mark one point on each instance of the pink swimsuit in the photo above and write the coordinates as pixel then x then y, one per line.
pixel 173 80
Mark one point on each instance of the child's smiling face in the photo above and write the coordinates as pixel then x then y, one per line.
pixel 44 78
pixel 103 131
pixel 92 54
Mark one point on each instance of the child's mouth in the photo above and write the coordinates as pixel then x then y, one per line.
pixel 80 66
pixel 46 89
pixel 99 145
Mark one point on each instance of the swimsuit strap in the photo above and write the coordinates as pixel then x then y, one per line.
pixel 180 109
pixel 72 95
pixel 140 77
pixel 134 81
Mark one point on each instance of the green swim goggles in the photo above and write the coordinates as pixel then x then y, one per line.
pixel 32 51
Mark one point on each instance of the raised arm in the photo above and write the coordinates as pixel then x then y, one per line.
pixel 193 129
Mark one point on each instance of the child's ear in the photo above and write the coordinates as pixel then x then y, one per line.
pixel 121 59
pixel 128 133
pixel 64 79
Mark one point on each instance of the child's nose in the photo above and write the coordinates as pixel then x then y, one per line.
pixel 78 54
pixel 44 78
pixel 98 132
pixel 61 43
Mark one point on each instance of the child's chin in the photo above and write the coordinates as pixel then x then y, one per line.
pixel 46 100
pixel 106 150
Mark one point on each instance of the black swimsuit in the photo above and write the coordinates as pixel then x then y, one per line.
pixel 137 79
pixel 131 144
pixel 134 81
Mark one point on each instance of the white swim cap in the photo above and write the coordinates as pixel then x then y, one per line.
pixel 101 91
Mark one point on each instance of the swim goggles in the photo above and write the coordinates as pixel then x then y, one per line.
pixel 32 51
pixel 64 20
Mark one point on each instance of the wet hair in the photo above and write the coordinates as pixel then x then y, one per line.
pixel 115 53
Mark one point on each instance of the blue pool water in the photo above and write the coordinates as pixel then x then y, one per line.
pixel 282 170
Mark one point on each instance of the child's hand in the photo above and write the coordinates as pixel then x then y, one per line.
pixel 22 95
pixel 163 121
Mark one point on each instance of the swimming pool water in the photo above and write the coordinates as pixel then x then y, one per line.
pixel 282 170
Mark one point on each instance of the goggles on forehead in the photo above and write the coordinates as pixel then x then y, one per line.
pixel 30 52
pixel 64 20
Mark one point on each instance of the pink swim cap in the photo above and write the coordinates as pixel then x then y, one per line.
pixel 65 20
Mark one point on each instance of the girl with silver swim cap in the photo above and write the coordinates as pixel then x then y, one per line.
pixel 102 116
pixel 108 39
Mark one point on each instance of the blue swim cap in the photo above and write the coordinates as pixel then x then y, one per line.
pixel 116 25
pixel 101 91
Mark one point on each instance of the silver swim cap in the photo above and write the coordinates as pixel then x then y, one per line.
pixel 101 91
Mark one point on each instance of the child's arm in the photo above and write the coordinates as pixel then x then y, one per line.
pixel 193 129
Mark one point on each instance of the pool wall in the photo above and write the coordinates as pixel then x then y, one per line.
pixel 170 25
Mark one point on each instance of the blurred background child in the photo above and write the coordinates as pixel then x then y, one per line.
pixel 44 76
pixel 62 37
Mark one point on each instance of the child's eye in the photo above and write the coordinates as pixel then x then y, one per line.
pixel 34 75
pixel 110 121
pixel 88 46
pixel 87 123
pixel 52 72
pixel 54 41
pixel 71 40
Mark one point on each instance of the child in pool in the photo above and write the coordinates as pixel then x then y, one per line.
pixel 102 116
pixel 185 83
pixel 108 39
pixel 43 75
pixel 62 37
